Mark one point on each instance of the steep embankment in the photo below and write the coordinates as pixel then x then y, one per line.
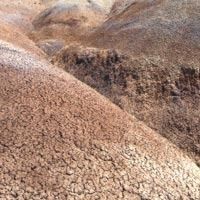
pixel 11 33
pixel 16 22
pixel 158 80
pixel 162 94
pixel 61 139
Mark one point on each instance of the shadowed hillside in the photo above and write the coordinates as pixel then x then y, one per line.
pixel 162 94
pixel 158 78
pixel 69 20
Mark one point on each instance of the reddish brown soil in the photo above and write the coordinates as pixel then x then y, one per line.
pixel 166 97
pixel 168 29
pixel 159 80
pixel 66 21
pixel 60 139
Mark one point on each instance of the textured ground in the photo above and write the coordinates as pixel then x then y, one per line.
pixel 60 139
pixel 164 96
pixel 169 29
pixel 159 80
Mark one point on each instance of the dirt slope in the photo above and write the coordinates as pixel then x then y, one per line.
pixel 69 20
pixel 61 139
pixel 32 5
pixel 169 29
pixel 16 22
pixel 158 79
pixel 163 95
pixel 19 18
pixel 11 33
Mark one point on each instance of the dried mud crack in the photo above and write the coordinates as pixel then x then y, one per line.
pixel 87 92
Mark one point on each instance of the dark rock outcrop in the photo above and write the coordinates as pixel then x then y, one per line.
pixel 166 97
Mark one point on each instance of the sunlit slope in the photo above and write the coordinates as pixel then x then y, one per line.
pixel 61 139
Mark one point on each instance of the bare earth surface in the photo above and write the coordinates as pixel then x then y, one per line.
pixel 61 139
pixel 164 95
pixel 157 76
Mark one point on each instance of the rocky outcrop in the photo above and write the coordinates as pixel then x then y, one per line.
pixel 165 97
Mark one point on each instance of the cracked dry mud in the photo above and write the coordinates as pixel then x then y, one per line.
pixel 62 140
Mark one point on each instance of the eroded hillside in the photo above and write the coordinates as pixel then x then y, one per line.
pixel 158 78
pixel 61 139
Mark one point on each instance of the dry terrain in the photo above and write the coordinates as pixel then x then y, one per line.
pixel 145 58
pixel 128 128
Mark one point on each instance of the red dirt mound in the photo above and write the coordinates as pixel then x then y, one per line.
pixel 10 33
pixel 62 140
